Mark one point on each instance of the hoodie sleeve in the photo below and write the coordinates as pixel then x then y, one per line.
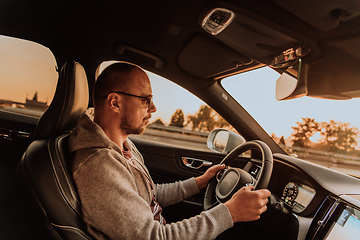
pixel 112 205
pixel 172 193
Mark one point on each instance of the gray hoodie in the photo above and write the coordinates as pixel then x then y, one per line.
pixel 116 196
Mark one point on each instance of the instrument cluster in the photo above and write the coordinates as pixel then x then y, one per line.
pixel 297 196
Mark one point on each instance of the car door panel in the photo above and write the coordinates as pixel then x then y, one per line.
pixel 15 136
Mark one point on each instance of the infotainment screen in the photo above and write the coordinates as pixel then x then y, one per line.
pixel 347 227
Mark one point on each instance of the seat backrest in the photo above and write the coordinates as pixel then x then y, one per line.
pixel 70 101
pixel 42 178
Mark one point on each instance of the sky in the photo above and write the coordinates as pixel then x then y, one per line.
pixel 258 97
pixel 254 90
pixel 21 65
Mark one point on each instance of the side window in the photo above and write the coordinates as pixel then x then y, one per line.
pixel 181 118
pixel 28 77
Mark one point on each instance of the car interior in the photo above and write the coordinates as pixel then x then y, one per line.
pixel 194 44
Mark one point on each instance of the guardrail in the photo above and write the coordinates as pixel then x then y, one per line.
pixel 175 129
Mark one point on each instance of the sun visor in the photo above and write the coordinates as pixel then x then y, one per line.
pixel 331 78
pixel 205 57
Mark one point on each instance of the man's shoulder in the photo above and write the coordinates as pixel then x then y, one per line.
pixel 96 157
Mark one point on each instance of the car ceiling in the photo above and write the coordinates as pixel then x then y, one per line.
pixel 166 37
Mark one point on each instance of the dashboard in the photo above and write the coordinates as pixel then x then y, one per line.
pixel 325 203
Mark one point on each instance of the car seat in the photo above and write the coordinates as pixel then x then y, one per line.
pixel 42 178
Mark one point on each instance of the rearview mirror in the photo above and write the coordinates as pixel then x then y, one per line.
pixel 293 82
pixel 223 140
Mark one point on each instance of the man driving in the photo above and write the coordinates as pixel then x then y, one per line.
pixel 118 197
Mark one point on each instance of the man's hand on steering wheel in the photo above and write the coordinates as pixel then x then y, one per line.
pixel 247 205
pixel 203 180
pixel 242 194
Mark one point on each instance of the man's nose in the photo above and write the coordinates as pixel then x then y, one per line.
pixel 152 108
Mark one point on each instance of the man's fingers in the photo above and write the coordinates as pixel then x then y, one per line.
pixel 263 193
pixel 219 167
pixel 264 201
pixel 214 169
pixel 264 208
pixel 249 188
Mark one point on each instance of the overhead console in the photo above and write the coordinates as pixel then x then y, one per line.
pixel 217 20
pixel 235 40
pixel 247 33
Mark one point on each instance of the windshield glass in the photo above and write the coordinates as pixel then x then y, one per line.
pixel 317 130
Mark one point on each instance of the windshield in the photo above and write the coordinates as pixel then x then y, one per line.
pixel 317 130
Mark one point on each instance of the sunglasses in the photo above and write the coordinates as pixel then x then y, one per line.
pixel 148 99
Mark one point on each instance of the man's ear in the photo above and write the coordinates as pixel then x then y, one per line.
pixel 114 103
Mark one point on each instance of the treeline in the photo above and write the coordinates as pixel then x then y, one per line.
pixel 205 119
pixel 335 136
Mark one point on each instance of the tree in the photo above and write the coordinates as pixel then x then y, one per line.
pixel 206 119
pixel 202 120
pixel 221 122
pixel 304 130
pixel 339 137
pixel 177 119
pixel 282 141
pixel 159 121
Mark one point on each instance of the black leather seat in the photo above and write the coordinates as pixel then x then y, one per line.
pixel 42 177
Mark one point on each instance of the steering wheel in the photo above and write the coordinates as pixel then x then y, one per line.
pixel 230 180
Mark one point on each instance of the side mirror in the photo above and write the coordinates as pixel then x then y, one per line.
pixel 223 140
pixel 293 82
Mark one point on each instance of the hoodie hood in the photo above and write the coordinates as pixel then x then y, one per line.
pixel 88 134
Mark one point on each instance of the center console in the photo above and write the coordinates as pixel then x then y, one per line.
pixel 338 218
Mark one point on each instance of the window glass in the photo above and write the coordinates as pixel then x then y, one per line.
pixel 28 76
pixel 317 130
pixel 177 110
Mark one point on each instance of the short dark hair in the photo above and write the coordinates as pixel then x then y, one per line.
pixel 114 77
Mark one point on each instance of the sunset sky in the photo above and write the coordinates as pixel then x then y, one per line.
pixel 21 66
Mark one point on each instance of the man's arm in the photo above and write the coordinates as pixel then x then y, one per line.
pixel 245 205
pixel 172 193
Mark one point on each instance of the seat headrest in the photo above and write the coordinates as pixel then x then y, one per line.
pixel 71 99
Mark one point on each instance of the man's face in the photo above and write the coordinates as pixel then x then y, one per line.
pixel 136 112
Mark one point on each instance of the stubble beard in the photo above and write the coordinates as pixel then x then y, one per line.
pixel 130 129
